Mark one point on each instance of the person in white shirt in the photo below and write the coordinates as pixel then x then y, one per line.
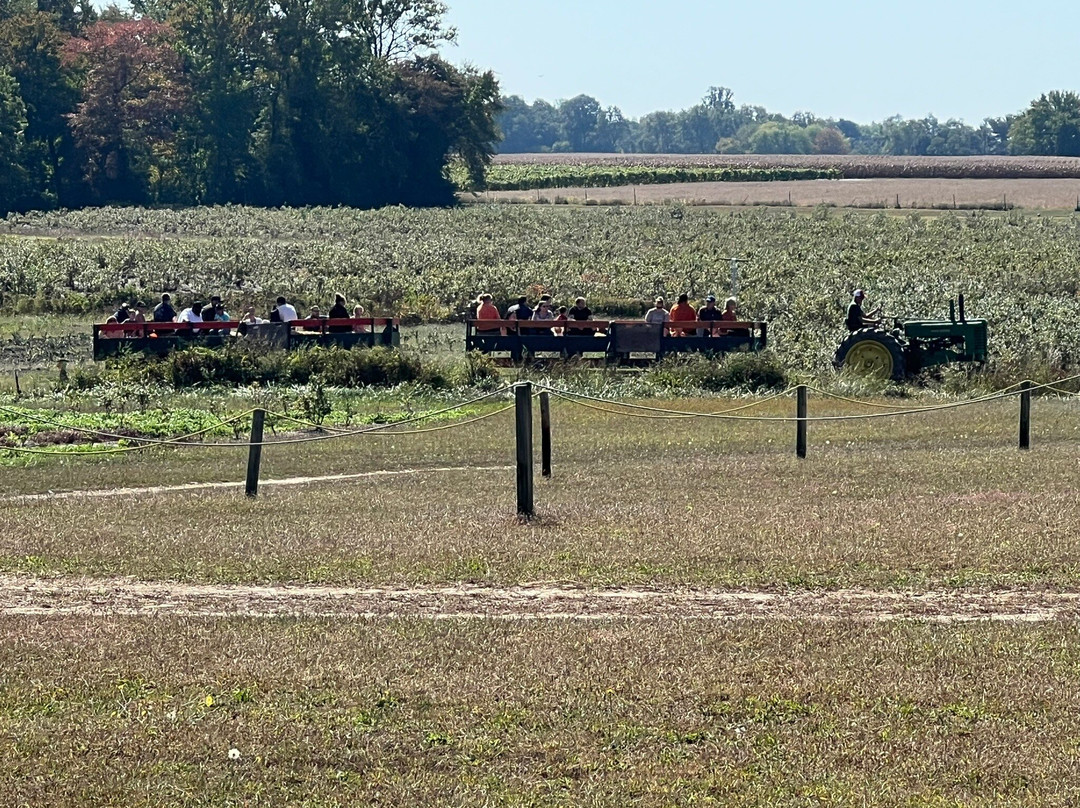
pixel 657 315
pixel 285 311
pixel 191 315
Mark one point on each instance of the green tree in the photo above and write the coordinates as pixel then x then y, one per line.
pixel 831 140
pixel 527 127
pixel 14 179
pixel 658 133
pixel 31 47
pixel 222 42
pixel 774 137
pixel 580 115
pixel 1051 125
pixel 397 29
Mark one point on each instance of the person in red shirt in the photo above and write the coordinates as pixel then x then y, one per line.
pixel 682 312
pixel 486 310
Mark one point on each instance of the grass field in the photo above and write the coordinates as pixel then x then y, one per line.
pixel 694 616
pixel 147 711
pixel 142 704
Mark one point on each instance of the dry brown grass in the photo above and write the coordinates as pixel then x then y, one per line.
pixel 933 500
pixel 144 712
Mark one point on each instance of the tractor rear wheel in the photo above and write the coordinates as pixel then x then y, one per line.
pixel 872 352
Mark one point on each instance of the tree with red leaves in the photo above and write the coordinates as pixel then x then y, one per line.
pixel 133 103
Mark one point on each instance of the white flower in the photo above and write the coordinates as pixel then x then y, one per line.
pixel 234 754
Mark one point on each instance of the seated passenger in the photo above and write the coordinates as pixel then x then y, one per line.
pixel 579 311
pixel 135 316
pixel 520 310
pixel 209 311
pixel 163 311
pixel 730 315
pixel 559 330
pixel 251 318
pixel 682 312
pixel 358 314
pixel 657 315
pixel 192 314
pixel 339 312
pixel 729 310
pixel 709 314
pixel 486 311
pixel 285 311
pixel 543 310
pixel 856 319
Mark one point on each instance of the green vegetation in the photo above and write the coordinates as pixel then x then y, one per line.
pixel 284 104
pixel 525 177
pixel 939 499
pixel 1017 270
pixel 1049 126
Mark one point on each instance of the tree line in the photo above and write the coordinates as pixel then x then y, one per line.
pixel 289 102
pixel 1050 126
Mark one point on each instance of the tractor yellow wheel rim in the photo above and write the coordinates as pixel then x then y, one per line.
pixel 870 358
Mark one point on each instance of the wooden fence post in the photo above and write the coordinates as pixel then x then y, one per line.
pixel 1025 415
pixel 523 421
pixel 255 452
pixel 800 424
pixel 545 434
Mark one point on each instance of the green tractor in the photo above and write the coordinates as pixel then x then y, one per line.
pixel 913 345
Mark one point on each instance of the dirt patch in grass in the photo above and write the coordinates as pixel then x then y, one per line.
pixel 89 596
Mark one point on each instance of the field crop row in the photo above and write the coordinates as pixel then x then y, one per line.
pixel 1017 270
pixel 527 177
pixel 848 166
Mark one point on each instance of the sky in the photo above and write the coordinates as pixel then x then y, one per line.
pixel 863 61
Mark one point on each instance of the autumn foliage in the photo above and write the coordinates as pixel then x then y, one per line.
pixel 236 101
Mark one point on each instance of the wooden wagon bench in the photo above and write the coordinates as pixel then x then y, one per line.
pixel 158 339
pixel 614 341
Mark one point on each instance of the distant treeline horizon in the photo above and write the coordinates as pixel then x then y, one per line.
pixel 1049 126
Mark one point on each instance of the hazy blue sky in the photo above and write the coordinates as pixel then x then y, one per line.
pixel 836 58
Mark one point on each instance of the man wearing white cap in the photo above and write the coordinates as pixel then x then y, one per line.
pixel 855 317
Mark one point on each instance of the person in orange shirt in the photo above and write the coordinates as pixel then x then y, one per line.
pixel 486 310
pixel 682 312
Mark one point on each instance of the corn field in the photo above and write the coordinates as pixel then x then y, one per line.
pixel 1017 270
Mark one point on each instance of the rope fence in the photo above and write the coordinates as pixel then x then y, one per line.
pixel 524 395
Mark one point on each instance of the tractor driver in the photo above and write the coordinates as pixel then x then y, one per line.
pixel 855 317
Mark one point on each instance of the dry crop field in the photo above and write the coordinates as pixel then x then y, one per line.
pixel 853 166
pixel 860 181
pixel 872 193
pixel 694 617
